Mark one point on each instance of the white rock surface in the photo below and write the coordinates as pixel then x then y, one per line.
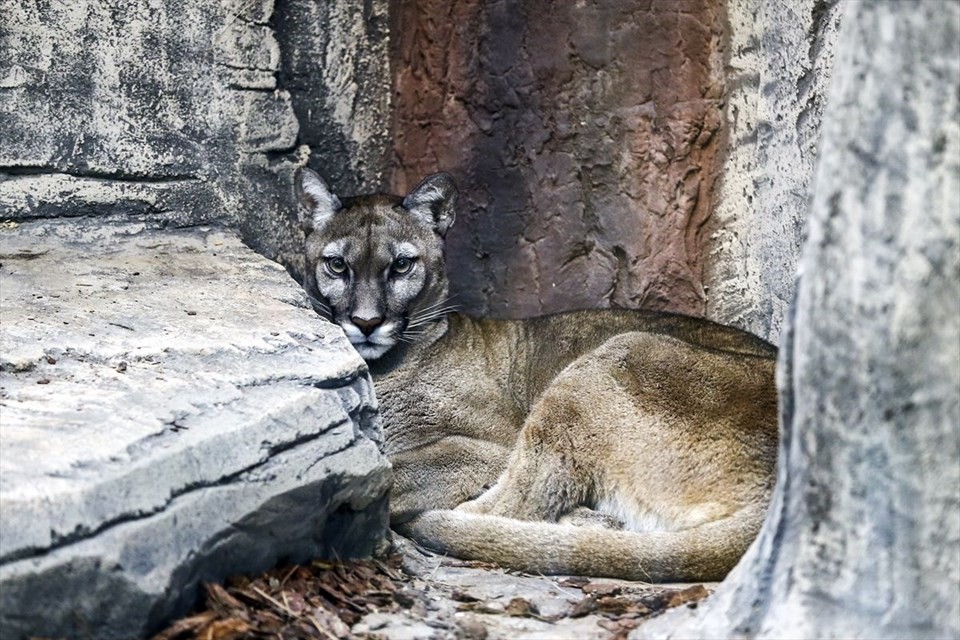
pixel 171 411
pixel 780 57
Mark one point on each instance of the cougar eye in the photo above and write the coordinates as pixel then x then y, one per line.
pixel 336 266
pixel 402 265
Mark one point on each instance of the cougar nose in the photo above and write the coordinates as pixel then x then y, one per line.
pixel 366 326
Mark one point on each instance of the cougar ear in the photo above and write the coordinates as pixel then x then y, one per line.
pixel 317 203
pixel 434 202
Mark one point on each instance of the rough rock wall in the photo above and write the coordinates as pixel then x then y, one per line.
pixel 779 56
pixel 582 136
pixel 177 111
pixel 333 62
pixel 587 137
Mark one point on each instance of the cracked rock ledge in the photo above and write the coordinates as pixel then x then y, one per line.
pixel 171 411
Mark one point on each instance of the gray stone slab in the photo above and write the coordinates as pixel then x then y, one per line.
pixel 171 411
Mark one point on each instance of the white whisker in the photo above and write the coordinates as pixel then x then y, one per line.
pixel 317 304
pixel 423 313
pixel 442 301
pixel 419 321
pixel 431 313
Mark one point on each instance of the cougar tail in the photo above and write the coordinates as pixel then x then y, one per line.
pixel 704 553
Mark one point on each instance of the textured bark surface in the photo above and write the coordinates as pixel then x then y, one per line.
pixel 582 136
pixel 863 538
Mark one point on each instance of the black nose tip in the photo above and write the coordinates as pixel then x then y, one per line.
pixel 366 325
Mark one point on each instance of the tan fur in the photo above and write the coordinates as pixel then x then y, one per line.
pixel 500 430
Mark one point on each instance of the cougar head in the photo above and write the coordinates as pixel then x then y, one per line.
pixel 375 264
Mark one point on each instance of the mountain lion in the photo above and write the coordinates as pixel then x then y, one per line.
pixel 616 443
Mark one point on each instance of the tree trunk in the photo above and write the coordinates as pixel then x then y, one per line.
pixel 863 536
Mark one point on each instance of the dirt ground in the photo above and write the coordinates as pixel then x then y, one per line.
pixel 415 594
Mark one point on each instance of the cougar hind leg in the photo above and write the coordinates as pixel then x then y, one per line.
pixel 533 487
pixel 580 443
pixel 544 478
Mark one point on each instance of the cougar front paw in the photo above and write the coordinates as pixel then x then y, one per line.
pixel 477 505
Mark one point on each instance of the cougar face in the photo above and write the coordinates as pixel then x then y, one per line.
pixel 375 264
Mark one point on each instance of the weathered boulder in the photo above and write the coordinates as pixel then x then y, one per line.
pixel 193 420
pixel 171 412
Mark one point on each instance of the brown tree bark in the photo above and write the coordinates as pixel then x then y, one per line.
pixel 863 537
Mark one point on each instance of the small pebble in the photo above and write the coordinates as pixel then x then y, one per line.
pixel 191 313
pixel 122 367
pixel 43 381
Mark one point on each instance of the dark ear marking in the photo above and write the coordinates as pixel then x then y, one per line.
pixel 317 202
pixel 433 202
